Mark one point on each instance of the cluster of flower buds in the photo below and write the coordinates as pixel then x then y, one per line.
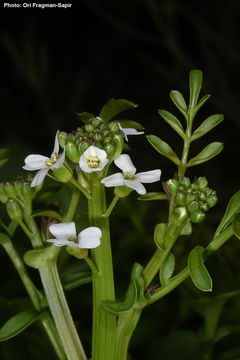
pixel 196 197
pixel 16 193
pixel 96 132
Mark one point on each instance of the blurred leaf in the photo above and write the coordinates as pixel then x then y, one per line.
pixel 225 331
pixel 48 213
pixel 172 121
pixel 84 116
pixel 236 225
pixel 167 269
pixel 209 152
pixel 4 156
pixel 179 101
pixel 130 124
pixel 232 209
pixel 198 271
pixel 153 196
pixel 195 83
pixel 207 125
pixel 115 106
pixel 17 324
pixel 159 235
pixel 163 148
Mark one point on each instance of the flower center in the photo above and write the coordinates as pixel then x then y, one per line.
pixel 93 162
pixel 128 175
pixel 72 238
pixel 53 159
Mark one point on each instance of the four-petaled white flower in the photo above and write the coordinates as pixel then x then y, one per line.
pixel 129 131
pixel 43 164
pixel 66 234
pixel 93 159
pixel 129 177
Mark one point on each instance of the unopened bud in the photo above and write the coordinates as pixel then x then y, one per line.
pixel 3 195
pixel 109 150
pixel 63 174
pixel 27 190
pixel 212 200
pixel 10 190
pixel 88 128
pixel 114 127
pixel 14 210
pixel 185 182
pixel 122 191
pixel 193 206
pixel 95 121
pixel 180 214
pixel 83 146
pixel 202 182
pixel 62 138
pixel 197 217
pixel 72 152
pixel 77 252
pixel 204 206
pixel 180 198
pixel 173 185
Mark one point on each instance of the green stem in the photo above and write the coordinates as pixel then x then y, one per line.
pixel 111 206
pixel 104 323
pixel 72 206
pixel 80 187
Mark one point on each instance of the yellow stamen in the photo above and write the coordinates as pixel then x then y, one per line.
pixel 53 159
pixel 128 175
pixel 93 162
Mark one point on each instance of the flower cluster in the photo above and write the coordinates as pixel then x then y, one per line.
pixel 197 197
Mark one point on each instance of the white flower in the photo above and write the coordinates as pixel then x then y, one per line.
pixel 43 164
pixel 129 177
pixel 65 234
pixel 129 131
pixel 93 159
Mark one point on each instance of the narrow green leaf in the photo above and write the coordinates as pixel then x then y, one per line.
pixel 130 124
pixel 48 213
pixel 17 324
pixel 209 152
pixel 38 258
pixel 198 271
pixel 236 225
pixel 4 156
pixel 163 148
pixel 178 100
pixel 127 304
pixel 153 196
pixel 173 122
pixel 115 106
pixel 232 209
pixel 159 235
pixel 195 85
pixel 207 125
pixel 200 104
pixel 167 269
pixel 84 116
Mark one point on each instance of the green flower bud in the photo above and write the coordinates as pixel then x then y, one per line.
pixel 207 191
pixel 10 190
pixel 105 133
pixel 95 121
pixel 190 197
pixel 180 198
pixel 180 214
pixel 212 200
pixel 72 152
pixel 204 206
pixel 117 143
pixel 18 187
pixel 63 174
pixel 14 210
pixel 27 191
pixel 83 146
pixel 88 128
pixel 122 191
pixel 97 137
pixel 62 138
pixel 194 186
pixel 197 217
pixel 113 127
pixel 109 150
pixel 202 196
pixel 193 206
pixel 77 252
pixel 202 182
pixel 107 140
pixel 185 182
pixel 3 195
pixel 173 185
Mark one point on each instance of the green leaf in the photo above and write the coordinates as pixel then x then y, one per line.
pixel 4 239
pixel 232 209
pixel 84 116
pixel 4 156
pixel 207 125
pixel 153 196
pixel 115 106
pixel 195 85
pixel 187 229
pixel 236 225
pixel 167 269
pixel 159 235
pixel 17 324
pixel 48 213
pixel 179 101
pixel 130 124
pixel 198 271
pixel 38 258
pixel 209 152
pixel 163 148
pixel 173 122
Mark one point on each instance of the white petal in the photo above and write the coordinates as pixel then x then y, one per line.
pixel 39 177
pixel 95 151
pixel 63 230
pixel 125 163
pixel 35 162
pixel 135 185
pixel 149 176
pixel 62 242
pixel 89 238
pixel 131 131
pixel 113 180
pixel 56 143
pixel 102 165
pixel 60 161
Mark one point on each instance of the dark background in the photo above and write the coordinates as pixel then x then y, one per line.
pixel 54 62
